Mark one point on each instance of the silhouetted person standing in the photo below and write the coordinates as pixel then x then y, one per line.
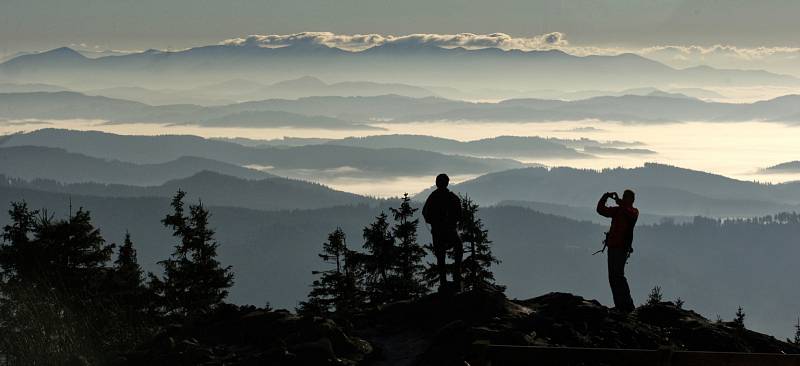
pixel 619 241
pixel 442 211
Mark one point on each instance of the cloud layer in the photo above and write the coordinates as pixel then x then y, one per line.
pixel 777 59
pixel 357 42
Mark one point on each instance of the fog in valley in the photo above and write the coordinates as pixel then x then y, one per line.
pixel 285 142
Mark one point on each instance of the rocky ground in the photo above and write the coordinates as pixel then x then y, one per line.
pixel 439 330
pixel 251 336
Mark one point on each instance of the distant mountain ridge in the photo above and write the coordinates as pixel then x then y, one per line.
pixel 586 213
pixel 626 108
pixel 325 159
pixel 388 63
pixel 361 113
pixel 37 162
pixel 661 190
pixel 787 167
pixel 241 90
pixel 501 146
pixel 69 105
pixel 269 194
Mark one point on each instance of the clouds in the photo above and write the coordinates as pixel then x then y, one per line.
pixel 358 42
pixel 777 59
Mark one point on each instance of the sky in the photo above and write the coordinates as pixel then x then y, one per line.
pixel 176 24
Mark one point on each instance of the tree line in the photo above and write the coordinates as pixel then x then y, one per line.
pixel 63 299
pixel 67 295
pixel 391 266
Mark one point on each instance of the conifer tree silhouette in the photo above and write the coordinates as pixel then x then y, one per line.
pixel 336 292
pixel 128 273
pixel 53 304
pixel 194 281
pixel 796 339
pixel 409 251
pixel 738 321
pixel 127 284
pixel 476 266
pixel 380 259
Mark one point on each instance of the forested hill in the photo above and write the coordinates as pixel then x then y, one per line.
pixel 661 190
pixel 38 162
pixel 273 253
pixel 272 193
pixel 359 161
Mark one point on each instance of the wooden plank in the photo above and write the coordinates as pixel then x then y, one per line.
pixel 527 355
pixel 513 355
pixel 733 359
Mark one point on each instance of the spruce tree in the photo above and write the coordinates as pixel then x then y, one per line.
pixel 128 274
pixel 52 304
pixel 17 257
pixel 409 251
pixel 738 322
pixel 336 291
pixel 127 283
pixel 194 281
pixel 379 261
pixel 797 332
pixel 478 257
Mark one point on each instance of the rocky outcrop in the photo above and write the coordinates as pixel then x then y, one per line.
pixel 250 336
pixel 444 328
pixel 440 330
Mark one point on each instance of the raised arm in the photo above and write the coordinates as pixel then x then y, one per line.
pixel 602 209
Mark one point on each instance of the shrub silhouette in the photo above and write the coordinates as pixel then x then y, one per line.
pixel 655 296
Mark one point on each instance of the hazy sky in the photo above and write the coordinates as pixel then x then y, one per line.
pixel 141 24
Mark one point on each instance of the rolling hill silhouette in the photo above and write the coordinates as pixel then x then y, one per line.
pixel 32 162
pixel 69 105
pixel 661 190
pixel 502 146
pixel 327 159
pixel 272 193
pixel 787 167
pixel 356 113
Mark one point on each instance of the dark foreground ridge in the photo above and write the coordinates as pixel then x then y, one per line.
pixel 439 330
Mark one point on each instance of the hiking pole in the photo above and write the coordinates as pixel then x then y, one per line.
pixel 605 245
pixel 603 250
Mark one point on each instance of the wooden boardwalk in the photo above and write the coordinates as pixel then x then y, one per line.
pixel 486 354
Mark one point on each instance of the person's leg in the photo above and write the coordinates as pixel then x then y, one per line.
pixel 458 254
pixel 616 278
pixel 440 251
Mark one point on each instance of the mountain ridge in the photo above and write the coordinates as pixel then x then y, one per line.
pixel 362 112
pixel 37 162
pixel 625 70
pixel 324 159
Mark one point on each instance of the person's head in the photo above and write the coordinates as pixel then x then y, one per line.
pixel 442 180
pixel 628 197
